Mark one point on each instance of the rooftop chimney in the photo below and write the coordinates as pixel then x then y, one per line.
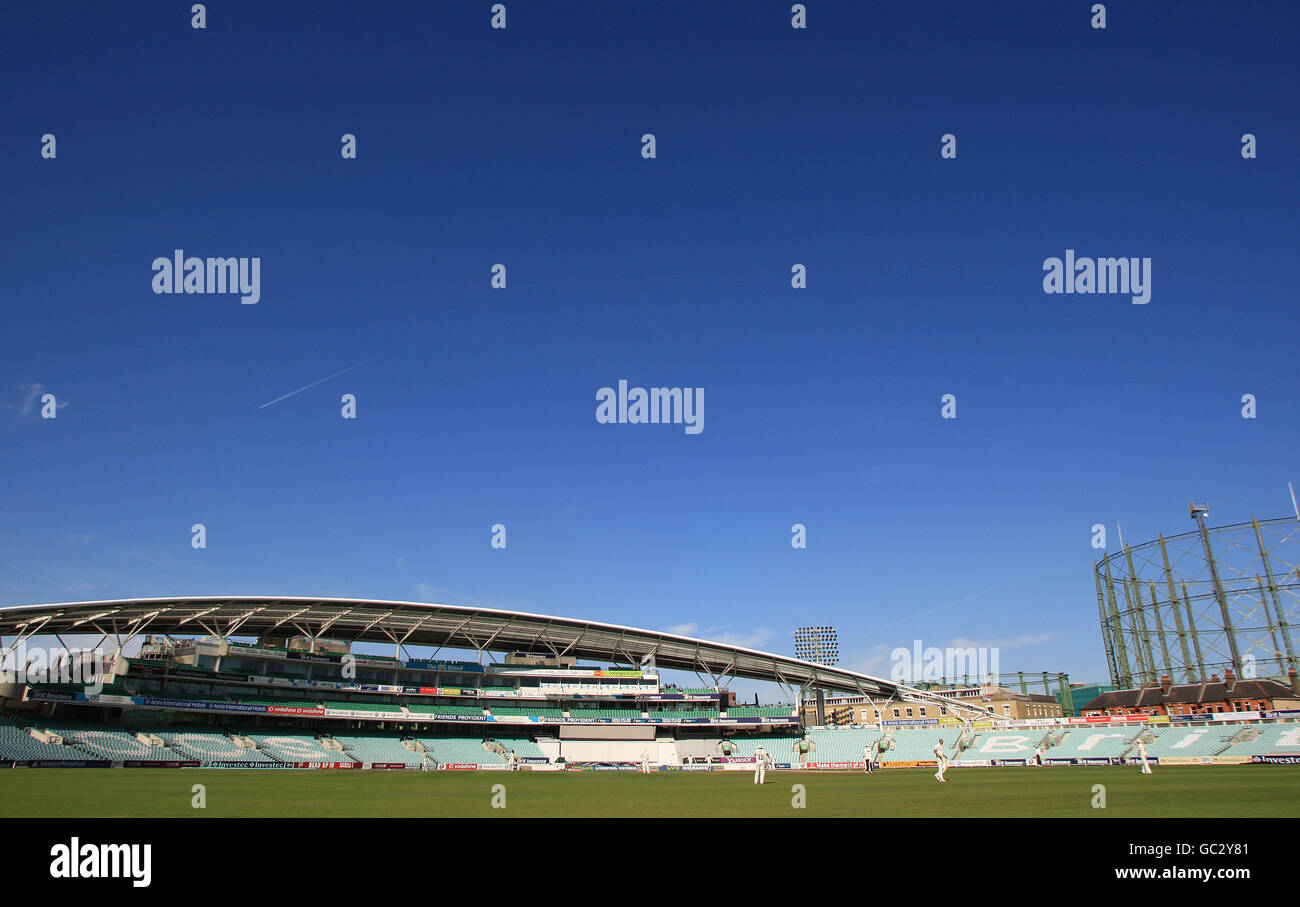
pixel 1229 679
pixel 1166 684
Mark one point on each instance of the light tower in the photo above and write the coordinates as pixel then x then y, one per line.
pixel 819 645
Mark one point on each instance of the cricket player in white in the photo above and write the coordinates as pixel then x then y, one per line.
pixel 1142 754
pixel 1038 754
pixel 867 753
pixel 645 763
pixel 942 759
pixel 761 758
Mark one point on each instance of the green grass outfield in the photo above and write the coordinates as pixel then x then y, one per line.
pixel 1199 791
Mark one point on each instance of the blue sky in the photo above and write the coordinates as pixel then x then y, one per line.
pixel 476 406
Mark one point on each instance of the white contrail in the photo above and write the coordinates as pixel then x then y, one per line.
pixel 44 579
pixel 952 604
pixel 308 387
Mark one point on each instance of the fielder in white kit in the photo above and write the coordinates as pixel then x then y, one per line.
pixel 1142 754
pixel 942 759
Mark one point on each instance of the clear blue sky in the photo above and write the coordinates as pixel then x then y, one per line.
pixel 477 406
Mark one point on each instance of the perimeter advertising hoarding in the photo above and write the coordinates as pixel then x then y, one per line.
pixel 112 699
pixel 331 712
pixel 318 659
pixel 31 695
pixel 317 712
pixel 1232 716
pixel 463 667
pixel 235 763
pixel 201 705
pixel 235 648
pixel 475 717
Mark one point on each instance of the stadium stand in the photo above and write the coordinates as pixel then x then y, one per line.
pixel 840 744
pixel 460 751
pixel 379 748
pixel 536 711
pixel 100 740
pixel 780 747
pixel 1273 739
pixel 917 744
pixel 1189 741
pixel 763 711
pixel 286 746
pixel 17 743
pixel 682 714
pixel 615 711
pixel 1083 743
pixel 206 744
pixel 364 706
pixel 469 708
pixel 1012 744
